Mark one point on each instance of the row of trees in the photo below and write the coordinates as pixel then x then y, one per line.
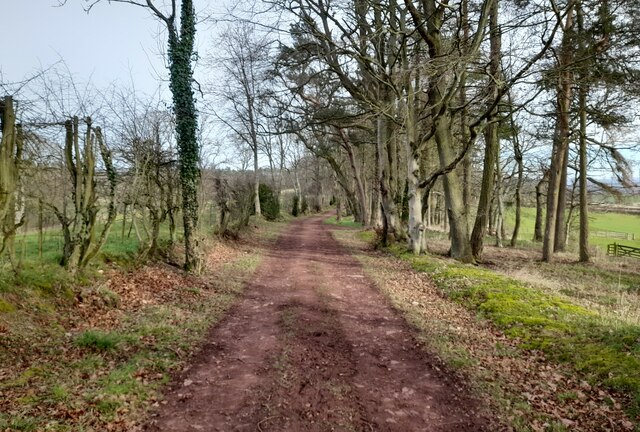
pixel 410 92
pixel 72 176
pixel 400 110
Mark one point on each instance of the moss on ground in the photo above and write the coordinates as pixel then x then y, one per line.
pixel 601 350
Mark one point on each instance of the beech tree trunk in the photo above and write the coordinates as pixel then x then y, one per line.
pixel 456 213
pixel 11 147
pixel 364 217
pixel 389 210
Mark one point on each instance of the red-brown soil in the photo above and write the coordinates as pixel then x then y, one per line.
pixel 313 346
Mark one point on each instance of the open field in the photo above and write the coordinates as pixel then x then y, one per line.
pixel 598 221
pixel 121 245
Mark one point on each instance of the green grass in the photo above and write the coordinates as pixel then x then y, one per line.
pixel 38 276
pixel 601 350
pixel 598 221
pixel 117 248
pixel 346 221
pixel 98 340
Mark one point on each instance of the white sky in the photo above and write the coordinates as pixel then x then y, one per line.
pixel 115 43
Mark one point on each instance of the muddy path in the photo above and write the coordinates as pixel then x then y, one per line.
pixel 313 346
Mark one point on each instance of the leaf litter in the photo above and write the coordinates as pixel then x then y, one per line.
pixel 49 380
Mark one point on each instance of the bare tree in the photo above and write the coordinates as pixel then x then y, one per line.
pixel 79 224
pixel 245 62
pixel 180 56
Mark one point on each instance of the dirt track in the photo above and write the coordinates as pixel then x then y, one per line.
pixel 313 346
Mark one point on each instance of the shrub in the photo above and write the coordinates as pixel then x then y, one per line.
pixel 295 207
pixel 269 203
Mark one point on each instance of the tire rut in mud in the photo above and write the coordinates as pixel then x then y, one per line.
pixel 311 388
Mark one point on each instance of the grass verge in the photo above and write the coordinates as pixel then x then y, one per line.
pixel 99 361
pixel 605 352
pixel 346 221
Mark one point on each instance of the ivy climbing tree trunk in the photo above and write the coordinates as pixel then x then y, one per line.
pixel 181 51
pixel 180 56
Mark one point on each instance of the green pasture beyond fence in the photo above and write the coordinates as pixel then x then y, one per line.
pixel 28 245
pixel 604 228
pixel 121 242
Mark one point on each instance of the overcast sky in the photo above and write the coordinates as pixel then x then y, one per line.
pixel 113 44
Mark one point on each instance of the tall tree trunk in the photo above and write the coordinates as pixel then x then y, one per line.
pixel 389 209
pixel 517 150
pixel 413 155
pixel 456 213
pixel 11 147
pixel 492 144
pixel 414 191
pixel 518 202
pixel 256 182
pixel 486 190
pixel 338 198
pixel 376 206
pixel 584 197
pixel 344 183
pixel 40 228
pixel 124 220
pixel 537 230
pixel 466 162
pixel 560 139
pixel 180 54
pixel 357 177
pixel 499 204
pixel 562 220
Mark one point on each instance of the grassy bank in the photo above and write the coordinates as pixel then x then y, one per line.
pixel 346 221
pixel 94 356
pixel 603 350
